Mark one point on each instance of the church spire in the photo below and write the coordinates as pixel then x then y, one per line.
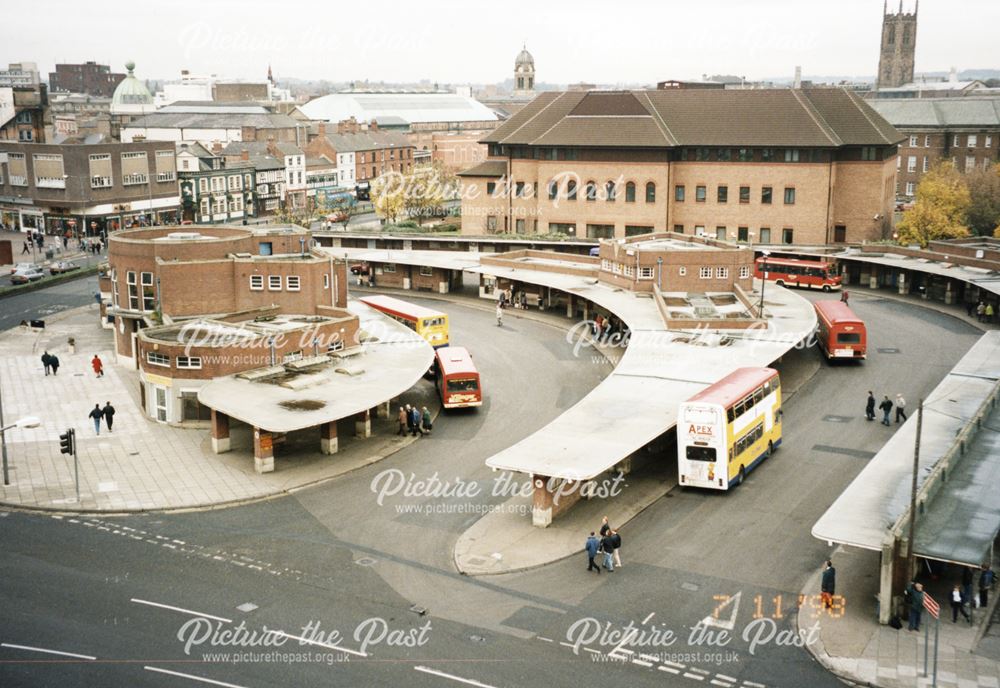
pixel 270 78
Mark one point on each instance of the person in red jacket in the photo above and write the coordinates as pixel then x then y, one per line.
pixel 97 365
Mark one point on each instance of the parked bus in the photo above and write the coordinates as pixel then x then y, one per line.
pixel 792 272
pixel 457 378
pixel 724 431
pixel 841 334
pixel 430 324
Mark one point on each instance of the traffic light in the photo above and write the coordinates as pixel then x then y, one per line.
pixel 67 442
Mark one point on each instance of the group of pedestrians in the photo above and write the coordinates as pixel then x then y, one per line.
pixel 984 311
pixel 107 413
pixel 413 421
pixel 36 238
pixel 886 408
pixel 609 544
pixel 960 597
pixel 51 363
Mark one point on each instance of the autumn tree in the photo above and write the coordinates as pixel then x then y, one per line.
pixel 940 208
pixel 387 193
pixel 427 188
pixel 983 215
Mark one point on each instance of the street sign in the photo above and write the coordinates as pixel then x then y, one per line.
pixel 930 605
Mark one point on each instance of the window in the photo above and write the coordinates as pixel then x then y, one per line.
pixel 274 282
pixel 645 273
pixel 910 188
pixel 100 182
pixel 600 231
pixel 765 195
pixel 630 270
pixel 617 268
pixel 553 189
pixel 605 264
pixel 203 186
pixel 702 154
pixel 491 223
pixel 293 283
pixel 925 164
pixel 869 152
pixel 635 230
pixel 899 162
pixel 205 206
pixel 743 234
pixel 611 192
pixel 699 194
pixel 679 229
pixel 745 155
pixel 190 362
pixel 765 235
pixel 630 192
pixel 571 190
pixel 566 228
pixel 591 191
pixel 722 194
pixel 744 194
pixel 157 359
pixel 389 268
pixel 954 142
pixel 913 142
pixel 650 192
pixel 705 273
pixel 791 155
pixel 973 139
pixel 682 270
pixel 519 225
pixel 236 204
pixel 256 282
pixel 724 155
pixel 148 292
pixel 518 189
pixel 426 271
pixel 766 154
pixel 133 179
pixel 326 281
pixel 988 142
pixel 789 195
pixel 927 141
pixel 722 273
pixel 678 193
pixel 133 291
pixel 787 235
pixel 491 188
pixel 720 233
pixel 911 163
pixel 219 205
pixel 744 272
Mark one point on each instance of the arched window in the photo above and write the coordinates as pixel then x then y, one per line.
pixel 571 190
pixel 630 192
pixel 553 189
pixel 591 191
pixel 611 190
pixel 650 192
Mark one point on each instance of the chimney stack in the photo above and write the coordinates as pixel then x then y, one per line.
pixel 798 77
pixel 245 155
pixel 322 130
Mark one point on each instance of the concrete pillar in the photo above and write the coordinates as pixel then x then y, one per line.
pixel 363 424
pixel 382 411
pixel 220 432
pixel 443 285
pixel 885 582
pixel 541 502
pixel 263 451
pixel 328 437
pixel 569 305
pixel 586 309
pixel 949 293
pixel 873 279
pixel 902 284
pixel 625 465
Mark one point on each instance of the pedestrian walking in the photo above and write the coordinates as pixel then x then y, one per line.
pixel 26 248
pixel 608 545
pixel 409 419
pixel 828 584
pixel 844 296
pixel 47 362
pixel 616 542
pixel 916 605
pixel 900 407
pixel 54 362
pixel 870 406
pixel 109 415
pixel 415 420
pixel 428 425
pixel 402 421
pixel 958 605
pixel 591 548
pixel 96 414
pixel 886 408
pixel 605 528
pixel 499 313
pixel 989 312
pixel 97 365
pixel 980 311
pixel 986 580
pixel 65 241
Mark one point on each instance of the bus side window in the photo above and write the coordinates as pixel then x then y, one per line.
pixel 738 409
pixel 758 396
pixel 759 432
pixel 729 414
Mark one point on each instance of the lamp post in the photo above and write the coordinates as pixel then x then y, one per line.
pixel 26 422
pixel 763 281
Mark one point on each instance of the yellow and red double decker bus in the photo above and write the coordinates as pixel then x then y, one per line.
pixel 725 430
pixel 430 324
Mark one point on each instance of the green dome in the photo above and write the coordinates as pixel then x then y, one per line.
pixel 131 91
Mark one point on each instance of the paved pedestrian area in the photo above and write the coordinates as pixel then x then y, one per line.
pixel 142 465
pixel 855 647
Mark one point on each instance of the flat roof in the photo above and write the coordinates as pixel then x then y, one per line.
pixel 390 362
pixel 962 518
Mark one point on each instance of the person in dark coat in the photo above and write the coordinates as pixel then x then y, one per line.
pixel 616 542
pixel 886 408
pixel 591 549
pixel 828 584
pixel 404 421
pixel 96 413
pixel 109 415
pixel 608 546
pixel 986 580
pixel 870 407
pixel 47 362
pixel 415 421
pixel 426 421
pixel 916 605
pixel 54 362
pixel 605 528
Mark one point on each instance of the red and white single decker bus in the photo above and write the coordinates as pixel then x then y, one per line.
pixel 840 333
pixel 457 378
pixel 792 272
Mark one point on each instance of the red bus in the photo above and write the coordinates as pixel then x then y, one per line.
pixel 792 272
pixel 457 378
pixel 841 334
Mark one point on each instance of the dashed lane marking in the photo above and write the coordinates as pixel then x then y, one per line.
pixel 31 648
pixel 452 677
pixel 200 679
pixel 181 610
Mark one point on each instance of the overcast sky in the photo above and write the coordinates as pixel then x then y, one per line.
pixel 449 41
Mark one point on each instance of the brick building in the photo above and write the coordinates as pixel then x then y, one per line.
pixel 781 166
pixel 362 152
pixel 898 47
pixel 89 188
pixel 963 130
pixel 24 113
pixel 90 78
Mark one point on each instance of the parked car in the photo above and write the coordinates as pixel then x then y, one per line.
pixel 27 275
pixel 22 266
pixel 62 266
pixel 360 269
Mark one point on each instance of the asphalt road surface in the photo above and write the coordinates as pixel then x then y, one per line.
pixel 43 303
pixel 121 597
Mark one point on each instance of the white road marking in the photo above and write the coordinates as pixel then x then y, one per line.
pixel 545 640
pixel 646 620
pixel 641 662
pixel 329 646
pixel 181 610
pixel 48 652
pixel 650 658
pixel 670 669
pixel 716 682
pixel 731 679
pixel 696 677
pixel 592 650
pixel 674 664
pixel 200 679
pixel 466 681
pixel 699 671
pixel 753 685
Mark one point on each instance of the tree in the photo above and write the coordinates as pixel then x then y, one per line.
pixel 427 188
pixel 940 208
pixel 984 200
pixel 387 193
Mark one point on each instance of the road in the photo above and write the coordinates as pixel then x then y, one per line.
pixel 43 303
pixel 332 555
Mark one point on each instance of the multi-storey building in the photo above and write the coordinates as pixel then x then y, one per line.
pixel 362 155
pixel 214 190
pixel 90 78
pixel 83 188
pixel 781 166
pixel 208 123
pixel 25 121
pixel 965 131
pixel 20 75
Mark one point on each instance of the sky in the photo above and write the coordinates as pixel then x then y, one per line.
pixel 447 41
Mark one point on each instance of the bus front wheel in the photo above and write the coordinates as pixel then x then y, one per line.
pixel 780 283
pixel 743 474
pixel 826 288
pixel 770 448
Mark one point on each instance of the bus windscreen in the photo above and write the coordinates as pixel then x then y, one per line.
pixel 468 385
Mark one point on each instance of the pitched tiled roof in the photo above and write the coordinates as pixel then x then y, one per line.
pixel 487 168
pixel 697 117
pixel 367 140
